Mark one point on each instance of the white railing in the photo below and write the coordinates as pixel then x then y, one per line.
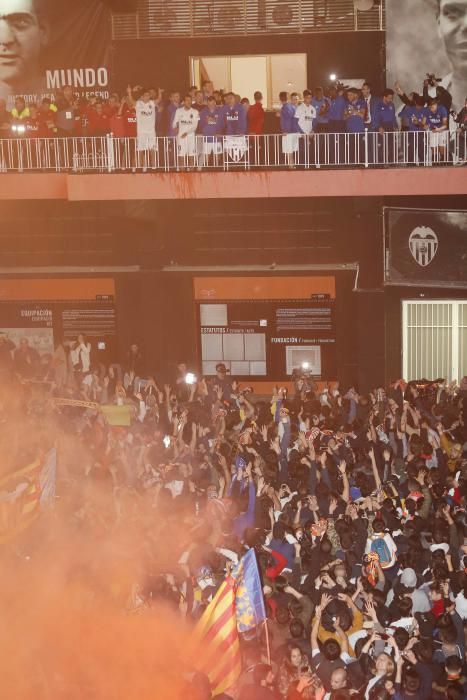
pixel 275 151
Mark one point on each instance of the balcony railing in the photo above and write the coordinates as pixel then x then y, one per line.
pixel 274 151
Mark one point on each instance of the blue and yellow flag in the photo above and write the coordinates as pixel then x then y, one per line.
pixel 237 607
pixel 249 601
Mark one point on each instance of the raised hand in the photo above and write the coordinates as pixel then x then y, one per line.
pixel 325 600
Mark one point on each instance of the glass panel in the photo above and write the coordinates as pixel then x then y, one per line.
pixel 213 68
pixel 246 74
pixel 462 352
pixel 249 73
pixel 288 72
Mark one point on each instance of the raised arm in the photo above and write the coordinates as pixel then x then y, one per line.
pixel 375 468
pixel 345 481
pixel 325 600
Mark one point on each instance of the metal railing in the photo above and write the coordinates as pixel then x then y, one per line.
pixel 272 151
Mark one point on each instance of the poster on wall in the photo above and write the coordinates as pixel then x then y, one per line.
pixel 41 313
pixel 426 247
pixel 263 327
pixel 437 47
pixel 49 44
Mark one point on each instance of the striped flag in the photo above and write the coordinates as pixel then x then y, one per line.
pixel 238 606
pixel 216 646
pixel 20 495
pixel 24 493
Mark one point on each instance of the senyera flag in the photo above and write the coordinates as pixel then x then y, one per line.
pixel 237 607
pixel 24 494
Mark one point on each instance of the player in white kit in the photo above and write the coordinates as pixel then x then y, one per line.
pixel 146 142
pixel 185 123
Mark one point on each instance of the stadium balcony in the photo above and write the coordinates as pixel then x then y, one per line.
pixel 348 165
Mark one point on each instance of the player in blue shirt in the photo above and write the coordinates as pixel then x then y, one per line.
pixel 321 104
pixel 385 114
pixel 437 123
pixel 354 115
pixel 416 117
pixel 211 127
pixel 336 110
pixel 336 122
pixel 385 122
pixel 235 128
pixel 235 119
pixel 321 122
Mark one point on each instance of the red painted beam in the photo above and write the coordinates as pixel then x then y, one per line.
pixel 238 185
pixel 33 186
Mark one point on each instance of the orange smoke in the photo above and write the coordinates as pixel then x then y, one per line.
pixel 66 631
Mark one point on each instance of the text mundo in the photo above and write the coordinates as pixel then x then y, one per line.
pixel 77 78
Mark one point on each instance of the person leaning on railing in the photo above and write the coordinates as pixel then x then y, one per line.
pixel 437 123
pixel 385 122
pixel 354 116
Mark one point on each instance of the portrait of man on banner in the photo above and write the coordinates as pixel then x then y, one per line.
pixel 24 34
pixel 438 47
pixel 44 47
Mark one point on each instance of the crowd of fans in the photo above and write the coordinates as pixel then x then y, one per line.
pixel 148 113
pixel 355 505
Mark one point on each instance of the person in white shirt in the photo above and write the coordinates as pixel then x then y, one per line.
pixel 305 114
pixel 185 123
pixel 81 356
pixel 146 142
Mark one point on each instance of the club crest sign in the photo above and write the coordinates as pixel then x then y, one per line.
pixel 423 244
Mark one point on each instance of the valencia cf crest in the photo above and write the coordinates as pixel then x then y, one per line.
pixel 236 147
pixel 423 244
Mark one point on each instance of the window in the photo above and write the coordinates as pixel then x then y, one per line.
pixel 270 74
pixel 308 356
pixel 434 339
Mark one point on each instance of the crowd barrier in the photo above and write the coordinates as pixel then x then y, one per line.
pixel 284 151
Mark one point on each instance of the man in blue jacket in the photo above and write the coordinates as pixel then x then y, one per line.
pixel 385 122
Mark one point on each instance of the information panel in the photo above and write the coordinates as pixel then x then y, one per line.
pixel 267 337
pixel 46 312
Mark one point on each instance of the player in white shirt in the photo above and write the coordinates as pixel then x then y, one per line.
pixel 185 123
pixel 306 113
pixel 146 142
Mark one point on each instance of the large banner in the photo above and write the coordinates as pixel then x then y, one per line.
pixel 426 248
pixel 426 36
pixel 46 45
pixel 261 327
pixel 42 313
